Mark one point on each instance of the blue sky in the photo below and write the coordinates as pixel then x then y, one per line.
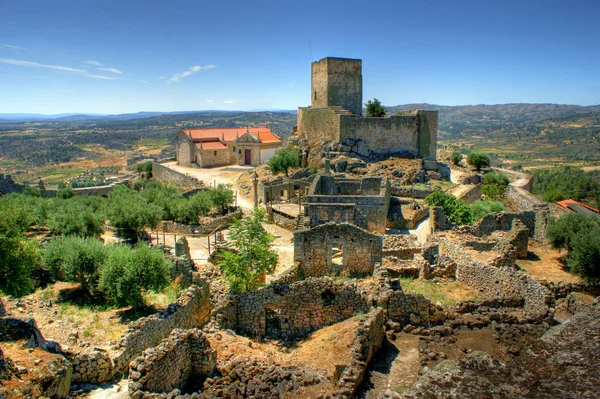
pixel 128 56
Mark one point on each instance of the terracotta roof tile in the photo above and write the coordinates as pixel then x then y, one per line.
pixel 230 134
pixel 211 145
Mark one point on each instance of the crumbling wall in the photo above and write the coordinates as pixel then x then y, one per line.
pixel 498 281
pixel 169 365
pixel 192 309
pixel 285 221
pixel 313 249
pixel 369 338
pixel 299 308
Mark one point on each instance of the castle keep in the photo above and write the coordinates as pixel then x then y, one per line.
pixel 335 115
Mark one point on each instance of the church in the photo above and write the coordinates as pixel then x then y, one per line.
pixel 226 146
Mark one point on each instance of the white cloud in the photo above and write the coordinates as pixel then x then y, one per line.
pixel 178 76
pixel 292 84
pixel 101 77
pixel 144 81
pixel 11 47
pixel 229 102
pixel 276 92
pixel 210 101
pixel 94 63
pixel 113 70
pixel 38 65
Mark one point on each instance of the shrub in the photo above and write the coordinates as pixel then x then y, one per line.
pixel 129 210
pixel 80 216
pixel 553 195
pixel 494 185
pixel 456 157
pixel 458 211
pixel 481 208
pixel 560 232
pixel 284 159
pixel 31 191
pixel 254 257
pixel 65 193
pixel 75 259
pixel 584 257
pixel 221 197
pixel 18 258
pixel 375 109
pixel 478 160
pixel 128 272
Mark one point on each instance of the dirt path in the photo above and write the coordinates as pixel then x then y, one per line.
pixel 220 175
pixel 395 368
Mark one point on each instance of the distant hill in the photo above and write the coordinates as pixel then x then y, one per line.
pixel 501 113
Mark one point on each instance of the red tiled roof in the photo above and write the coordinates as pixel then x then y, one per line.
pixel 568 203
pixel 230 134
pixel 211 145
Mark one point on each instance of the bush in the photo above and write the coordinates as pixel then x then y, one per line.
pixel 128 210
pixel 18 258
pixel 80 216
pixel 75 259
pixel 221 197
pixel 481 208
pixel 254 257
pixel 458 212
pixel 284 159
pixel 494 185
pixel 31 191
pixel 375 109
pixel 553 195
pixel 560 232
pixel 65 193
pixel 456 157
pixel 145 168
pixel 478 160
pixel 128 272
pixel 584 257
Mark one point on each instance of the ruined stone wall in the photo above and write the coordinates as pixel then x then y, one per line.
pixel 369 338
pixel 285 221
pixel 298 309
pixel 395 134
pixel 504 222
pixel 170 364
pixel 410 192
pixel 313 249
pixel 498 281
pixel 192 309
pixel 167 175
pixel 471 194
pixel 207 226
pixel 408 307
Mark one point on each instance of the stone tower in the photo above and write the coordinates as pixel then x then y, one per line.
pixel 337 82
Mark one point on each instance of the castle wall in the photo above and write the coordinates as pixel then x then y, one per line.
pixel 319 124
pixel 168 175
pixel 428 126
pixel 398 134
pixel 337 82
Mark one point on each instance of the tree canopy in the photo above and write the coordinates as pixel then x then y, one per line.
pixel 479 160
pixel 254 256
pixel 375 109
pixel 283 161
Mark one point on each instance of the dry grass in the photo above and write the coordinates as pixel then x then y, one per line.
pixel 544 263
pixel 446 292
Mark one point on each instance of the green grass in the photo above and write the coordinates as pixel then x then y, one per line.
pixel 447 293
